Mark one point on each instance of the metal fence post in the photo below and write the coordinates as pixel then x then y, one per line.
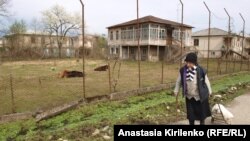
pixel 209 31
pixel 242 44
pixel 181 32
pixel 138 44
pixel 83 50
pixel 228 42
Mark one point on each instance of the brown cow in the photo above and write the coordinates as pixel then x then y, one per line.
pixel 102 68
pixel 70 74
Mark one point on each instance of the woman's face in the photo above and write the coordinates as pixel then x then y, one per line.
pixel 190 65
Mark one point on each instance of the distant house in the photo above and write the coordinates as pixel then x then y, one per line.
pixel 155 34
pixel 46 45
pixel 89 41
pixel 219 41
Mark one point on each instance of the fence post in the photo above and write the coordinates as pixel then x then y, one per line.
pixel 110 90
pixel 248 64
pixel 234 59
pixel 209 35
pixel 12 95
pixel 138 44
pixel 40 81
pixel 162 71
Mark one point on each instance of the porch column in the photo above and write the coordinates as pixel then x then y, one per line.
pixel 148 52
pixel 149 34
pixel 120 52
pixel 128 52
pixel 158 50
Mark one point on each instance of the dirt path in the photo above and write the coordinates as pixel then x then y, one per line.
pixel 239 107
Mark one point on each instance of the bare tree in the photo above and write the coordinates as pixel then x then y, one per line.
pixel 115 79
pixel 36 26
pixel 3 7
pixel 18 27
pixel 4 4
pixel 59 22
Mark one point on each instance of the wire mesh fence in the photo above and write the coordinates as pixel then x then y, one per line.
pixel 37 85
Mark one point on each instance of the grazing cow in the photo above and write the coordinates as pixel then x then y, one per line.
pixel 69 74
pixel 102 68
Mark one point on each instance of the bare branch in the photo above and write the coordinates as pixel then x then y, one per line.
pixel 58 21
pixel 4 4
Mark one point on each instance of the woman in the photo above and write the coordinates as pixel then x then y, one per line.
pixel 195 88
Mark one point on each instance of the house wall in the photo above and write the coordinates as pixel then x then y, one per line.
pixel 216 45
pixel 237 44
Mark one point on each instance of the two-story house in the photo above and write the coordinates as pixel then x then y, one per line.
pixel 220 43
pixel 155 34
pixel 47 45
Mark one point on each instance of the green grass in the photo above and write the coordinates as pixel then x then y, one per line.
pixel 80 123
pixel 36 85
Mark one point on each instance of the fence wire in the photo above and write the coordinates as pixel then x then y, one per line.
pixel 36 85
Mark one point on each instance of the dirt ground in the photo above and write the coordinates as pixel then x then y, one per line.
pixel 240 109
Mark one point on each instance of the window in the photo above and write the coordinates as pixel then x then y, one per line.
pixel 177 34
pixel 130 33
pixel 162 34
pixel 196 42
pixel 33 40
pixel 144 33
pixel 111 35
pixel 153 33
pixel 112 50
pixel 123 34
pixel 117 35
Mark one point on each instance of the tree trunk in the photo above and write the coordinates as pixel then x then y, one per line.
pixel 60 50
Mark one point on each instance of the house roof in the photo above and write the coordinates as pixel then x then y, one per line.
pixel 148 19
pixel 213 32
pixel 28 34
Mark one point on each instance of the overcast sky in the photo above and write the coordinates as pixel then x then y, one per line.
pixel 103 13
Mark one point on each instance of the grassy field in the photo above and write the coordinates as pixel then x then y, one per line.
pixel 36 85
pixel 79 124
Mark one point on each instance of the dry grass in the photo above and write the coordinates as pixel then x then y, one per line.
pixel 36 84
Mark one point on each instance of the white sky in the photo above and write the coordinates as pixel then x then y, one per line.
pixel 103 13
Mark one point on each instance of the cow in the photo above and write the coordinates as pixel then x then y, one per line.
pixel 70 74
pixel 102 68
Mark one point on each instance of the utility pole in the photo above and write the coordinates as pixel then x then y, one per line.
pixel 209 34
pixel 83 50
pixel 138 44
pixel 228 41
pixel 242 44
pixel 181 31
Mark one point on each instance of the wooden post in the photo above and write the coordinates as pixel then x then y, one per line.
pixel 12 95
pixel 110 89
pixel 162 70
